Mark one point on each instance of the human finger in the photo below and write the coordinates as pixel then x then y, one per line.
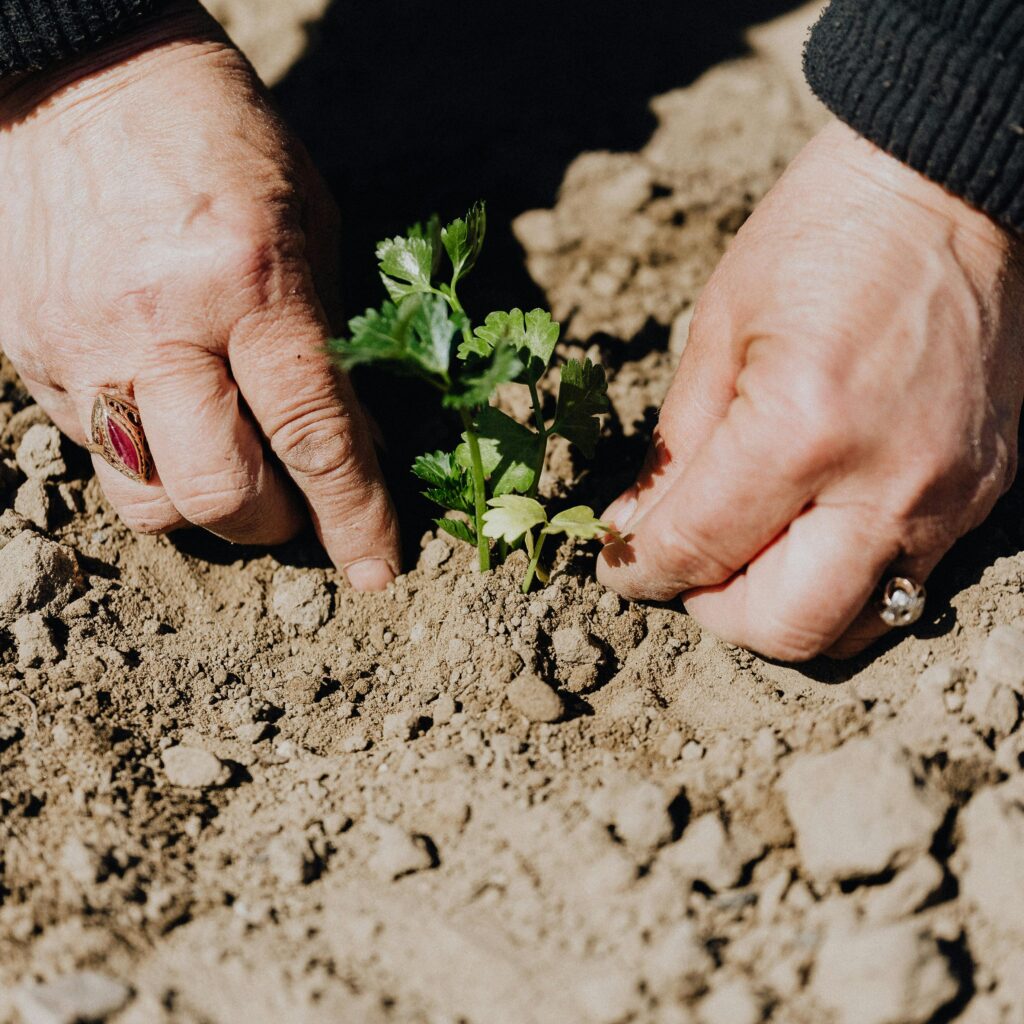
pixel 315 426
pixel 758 469
pixel 696 402
pixel 212 460
pixel 802 593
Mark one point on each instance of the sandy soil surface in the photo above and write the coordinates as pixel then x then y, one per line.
pixel 231 790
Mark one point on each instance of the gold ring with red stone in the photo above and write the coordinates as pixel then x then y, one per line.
pixel 118 437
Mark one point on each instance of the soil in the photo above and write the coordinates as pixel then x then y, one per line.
pixel 233 790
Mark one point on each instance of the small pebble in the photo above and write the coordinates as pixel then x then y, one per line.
pixel 356 742
pixel 301 690
pixel 39 455
pixel 692 751
pixel 442 709
pixel 72 998
pixel 193 768
pixel 534 699
pixel 401 725
pixel 399 853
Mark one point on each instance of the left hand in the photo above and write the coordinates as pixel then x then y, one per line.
pixel 846 407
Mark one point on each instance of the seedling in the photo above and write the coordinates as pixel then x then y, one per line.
pixel 423 331
pixel 512 518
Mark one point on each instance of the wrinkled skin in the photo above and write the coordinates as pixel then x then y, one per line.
pixel 847 405
pixel 161 232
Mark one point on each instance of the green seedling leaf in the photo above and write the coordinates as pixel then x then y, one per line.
pixel 431 231
pixel 579 522
pixel 508 450
pixel 450 486
pixel 406 264
pixel 478 381
pixel 582 397
pixel 533 335
pixel 512 516
pixel 463 240
pixel 458 529
pixel 413 337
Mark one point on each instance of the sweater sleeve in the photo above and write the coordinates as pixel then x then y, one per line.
pixel 35 34
pixel 939 84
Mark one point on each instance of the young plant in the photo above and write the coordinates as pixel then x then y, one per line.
pixel 512 518
pixel 423 331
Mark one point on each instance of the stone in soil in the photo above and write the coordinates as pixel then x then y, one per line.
pixel 39 455
pixel 301 598
pixel 72 999
pixel 992 707
pixel 534 699
pixel 1001 659
pixel 906 893
pixel 638 811
pixel 37 644
pixel 39 502
pixel 991 855
pixel 194 768
pixel 401 725
pixel 399 853
pixel 21 423
pixel 577 656
pixel 859 810
pixel 35 575
pixel 882 974
pixel 301 689
pixel 706 853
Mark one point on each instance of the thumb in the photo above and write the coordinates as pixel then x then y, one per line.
pixel 697 401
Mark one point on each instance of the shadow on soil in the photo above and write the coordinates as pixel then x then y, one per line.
pixel 411 108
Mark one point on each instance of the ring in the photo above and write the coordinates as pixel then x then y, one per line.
pixel 901 602
pixel 118 437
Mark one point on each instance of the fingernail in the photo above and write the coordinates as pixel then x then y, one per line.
pixel 369 574
pixel 621 510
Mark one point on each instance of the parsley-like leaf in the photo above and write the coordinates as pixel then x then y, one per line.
pixel 413 337
pixel 582 397
pixel 406 264
pixel 534 336
pixel 463 240
pixel 431 231
pixel 511 516
pixel 508 451
pixel 579 522
pixel 477 382
pixel 459 529
pixel 450 484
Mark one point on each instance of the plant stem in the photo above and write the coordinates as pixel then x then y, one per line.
pixel 531 569
pixel 479 491
pixel 538 418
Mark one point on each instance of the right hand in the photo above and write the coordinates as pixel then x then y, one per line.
pixel 846 407
pixel 160 231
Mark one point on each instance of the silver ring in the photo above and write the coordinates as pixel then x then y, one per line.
pixel 901 602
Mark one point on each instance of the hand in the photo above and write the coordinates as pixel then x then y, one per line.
pixel 846 406
pixel 161 231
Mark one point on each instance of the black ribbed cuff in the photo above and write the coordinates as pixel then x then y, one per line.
pixel 36 34
pixel 943 91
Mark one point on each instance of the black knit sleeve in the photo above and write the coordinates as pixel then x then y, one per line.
pixel 939 84
pixel 35 34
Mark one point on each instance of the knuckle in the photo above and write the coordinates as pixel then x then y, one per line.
pixel 688 551
pixel 149 516
pixel 783 639
pixel 316 443
pixel 218 499
pixel 813 427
